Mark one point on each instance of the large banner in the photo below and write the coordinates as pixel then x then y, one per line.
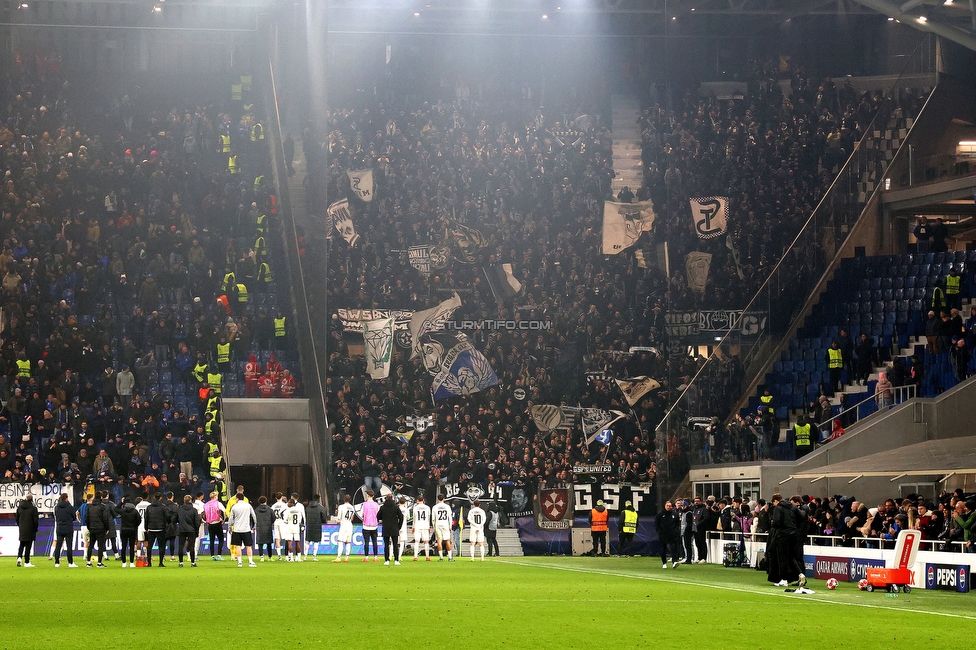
pixel 378 335
pixel 614 496
pixel 45 496
pixel 515 500
pixel 419 257
pixel 554 508
pixel 710 214
pixel 689 323
pixel 623 224
pixel 634 388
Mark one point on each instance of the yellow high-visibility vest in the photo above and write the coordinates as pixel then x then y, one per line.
pixel 279 326
pixel 232 164
pixel 224 143
pixel 836 358
pixel 23 368
pixel 241 293
pixel 223 353
pixel 236 92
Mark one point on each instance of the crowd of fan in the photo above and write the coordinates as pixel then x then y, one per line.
pixel 118 233
pixel 947 523
pixel 533 186
pixel 774 157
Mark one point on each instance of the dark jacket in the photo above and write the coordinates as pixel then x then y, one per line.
pixel 265 523
pixel 783 519
pixel 172 522
pixel 156 516
pixel 64 518
pixel 315 515
pixel 668 525
pixel 130 518
pixel 391 517
pixel 27 520
pixel 97 517
pixel 188 519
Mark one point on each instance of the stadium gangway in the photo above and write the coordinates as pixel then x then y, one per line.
pixel 900 394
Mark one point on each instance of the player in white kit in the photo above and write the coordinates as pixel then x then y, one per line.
pixel 477 518
pixel 405 526
pixel 345 515
pixel 279 507
pixel 421 528
pixel 301 530
pixel 441 514
pixel 294 518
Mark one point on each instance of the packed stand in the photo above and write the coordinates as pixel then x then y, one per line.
pixel 774 157
pixel 134 236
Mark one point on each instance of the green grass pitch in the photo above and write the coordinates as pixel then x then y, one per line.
pixel 531 602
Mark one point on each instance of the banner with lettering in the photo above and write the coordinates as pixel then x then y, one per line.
pixel 614 495
pixel 45 496
pixel 362 184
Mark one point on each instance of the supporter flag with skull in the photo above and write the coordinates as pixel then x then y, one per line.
pixel 456 366
pixel 378 336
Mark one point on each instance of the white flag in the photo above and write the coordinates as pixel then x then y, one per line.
pixel 378 335
pixel 430 320
pixel 361 183
pixel 342 220
pixel 634 388
pixel 623 224
pixel 697 265
pixel 710 214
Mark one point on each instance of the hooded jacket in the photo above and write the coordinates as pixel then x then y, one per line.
pixel 27 520
pixel 156 517
pixel 130 518
pixel 188 519
pixel 391 517
pixel 64 518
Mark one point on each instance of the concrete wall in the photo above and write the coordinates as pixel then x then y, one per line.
pixel 267 432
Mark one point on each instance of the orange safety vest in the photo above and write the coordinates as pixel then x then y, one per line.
pixel 599 520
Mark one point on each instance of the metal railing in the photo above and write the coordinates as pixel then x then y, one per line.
pixel 837 541
pixel 782 297
pixel 900 394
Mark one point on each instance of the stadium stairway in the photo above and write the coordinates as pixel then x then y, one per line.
pixel 627 161
pixel 885 297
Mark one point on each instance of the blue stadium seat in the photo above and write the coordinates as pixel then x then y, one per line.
pixel 886 283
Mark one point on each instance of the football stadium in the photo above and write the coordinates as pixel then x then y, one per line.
pixel 503 319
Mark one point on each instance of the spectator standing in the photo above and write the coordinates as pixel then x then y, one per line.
pixel 668 526
pixel 866 358
pixel 883 392
pixel 835 365
pixel 28 520
pixel 781 545
pixel 315 518
pixel 390 516
pixel 188 520
pixel 64 521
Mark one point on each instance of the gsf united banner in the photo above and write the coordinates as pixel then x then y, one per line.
pixel 45 496
pixel 710 214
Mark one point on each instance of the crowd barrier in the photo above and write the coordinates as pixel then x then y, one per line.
pixel 828 557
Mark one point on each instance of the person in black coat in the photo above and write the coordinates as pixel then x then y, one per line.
pixel 97 522
pixel 156 517
pixel 172 530
pixel 391 518
pixel 188 520
pixel 315 517
pixel 129 528
pixel 27 519
pixel 668 526
pixel 781 565
pixel 64 523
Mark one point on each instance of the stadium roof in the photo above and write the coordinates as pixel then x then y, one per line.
pixel 932 458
